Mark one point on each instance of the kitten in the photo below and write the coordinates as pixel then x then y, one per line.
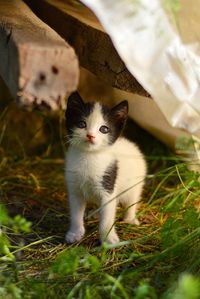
pixel 101 166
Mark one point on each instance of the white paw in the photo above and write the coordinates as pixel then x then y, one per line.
pixel 132 221
pixel 72 237
pixel 112 239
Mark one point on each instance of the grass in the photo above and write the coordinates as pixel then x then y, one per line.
pixel 158 259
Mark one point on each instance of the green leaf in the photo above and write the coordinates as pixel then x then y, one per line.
pixel 188 287
pixel 67 261
pixel 20 224
pixel 4 218
pixel 144 291
pixel 92 262
pixel 14 291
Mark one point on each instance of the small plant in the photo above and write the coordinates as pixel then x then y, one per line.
pixel 187 287
pixel 8 265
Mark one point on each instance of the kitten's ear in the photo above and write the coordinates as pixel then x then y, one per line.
pixel 74 100
pixel 120 111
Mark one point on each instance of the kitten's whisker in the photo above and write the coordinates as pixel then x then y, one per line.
pixel 75 142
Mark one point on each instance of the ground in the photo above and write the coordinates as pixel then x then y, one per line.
pixel 158 259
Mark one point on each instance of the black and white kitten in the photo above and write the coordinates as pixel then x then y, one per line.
pixel 101 166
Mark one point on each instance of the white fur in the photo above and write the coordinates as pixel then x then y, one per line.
pixel 94 121
pixel 84 169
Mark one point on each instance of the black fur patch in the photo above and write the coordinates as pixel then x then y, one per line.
pixel 116 119
pixel 76 111
pixel 109 177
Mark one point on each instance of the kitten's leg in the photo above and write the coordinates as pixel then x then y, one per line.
pixel 130 216
pixel 107 219
pixel 76 230
pixel 131 204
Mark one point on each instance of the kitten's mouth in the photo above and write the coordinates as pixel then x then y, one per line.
pixel 90 141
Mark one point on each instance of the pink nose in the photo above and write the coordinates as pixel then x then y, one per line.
pixel 90 137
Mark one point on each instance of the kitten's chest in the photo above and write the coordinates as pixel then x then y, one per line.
pixel 86 170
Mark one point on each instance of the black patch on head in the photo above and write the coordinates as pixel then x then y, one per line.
pixel 109 177
pixel 76 111
pixel 116 118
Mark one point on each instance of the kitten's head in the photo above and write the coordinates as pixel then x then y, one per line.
pixel 93 126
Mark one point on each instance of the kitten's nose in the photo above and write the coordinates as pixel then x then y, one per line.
pixel 90 137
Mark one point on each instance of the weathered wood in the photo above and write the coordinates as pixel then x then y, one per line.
pixel 78 25
pixel 37 65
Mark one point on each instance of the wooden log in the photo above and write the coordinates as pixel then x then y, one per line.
pixel 37 65
pixel 79 26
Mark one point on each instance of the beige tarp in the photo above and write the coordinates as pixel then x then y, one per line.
pixel 165 61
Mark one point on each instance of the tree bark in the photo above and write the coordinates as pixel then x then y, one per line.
pixel 78 25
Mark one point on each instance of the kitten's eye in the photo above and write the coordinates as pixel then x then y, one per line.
pixel 104 129
pixel 81 124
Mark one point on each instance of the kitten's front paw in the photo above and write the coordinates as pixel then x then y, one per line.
pixel 73 237
pixel 112 239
